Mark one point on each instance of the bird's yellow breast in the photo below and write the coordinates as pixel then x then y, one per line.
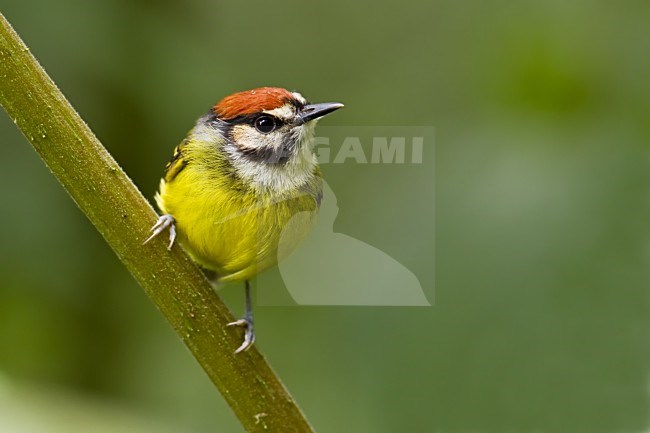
pixel 230 228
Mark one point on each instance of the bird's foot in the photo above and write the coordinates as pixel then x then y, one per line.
pixel 249 334
pixel 164 222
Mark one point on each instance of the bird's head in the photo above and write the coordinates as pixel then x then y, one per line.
pixel 267 134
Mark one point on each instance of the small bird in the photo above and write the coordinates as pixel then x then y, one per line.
pixel 244 179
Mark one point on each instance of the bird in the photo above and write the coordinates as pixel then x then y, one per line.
pixel 245 177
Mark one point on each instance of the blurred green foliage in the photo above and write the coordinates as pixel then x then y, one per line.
pixel 542 117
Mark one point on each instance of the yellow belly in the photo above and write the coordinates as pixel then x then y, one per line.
pixel 234 231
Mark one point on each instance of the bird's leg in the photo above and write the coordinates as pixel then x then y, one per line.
pixel 246 322
pixel 165 221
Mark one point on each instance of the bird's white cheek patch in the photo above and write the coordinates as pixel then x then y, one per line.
pixel 279 178
pixel 247 137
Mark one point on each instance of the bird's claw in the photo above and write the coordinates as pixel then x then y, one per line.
pixel 249 334
pixel 165 221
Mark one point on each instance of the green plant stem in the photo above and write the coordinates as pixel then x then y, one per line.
pixel 121 214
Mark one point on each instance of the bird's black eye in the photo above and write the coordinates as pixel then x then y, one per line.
pixel 265 124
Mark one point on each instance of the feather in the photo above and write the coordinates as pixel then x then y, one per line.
pixel 253 101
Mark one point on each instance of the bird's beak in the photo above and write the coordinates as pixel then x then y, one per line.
pixel 314 111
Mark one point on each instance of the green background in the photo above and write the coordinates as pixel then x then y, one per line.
pixel 542 120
